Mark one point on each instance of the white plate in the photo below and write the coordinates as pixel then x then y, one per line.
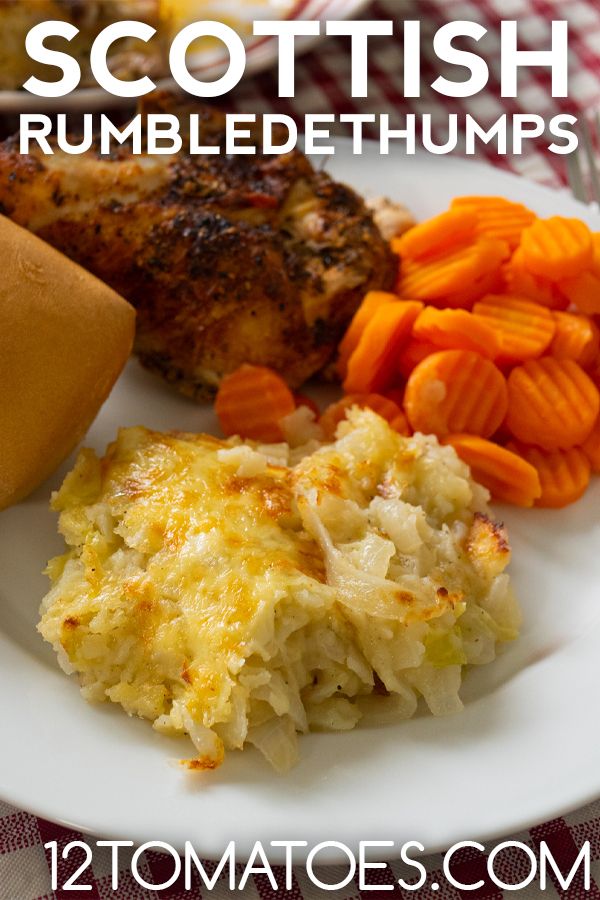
pixel 261 53
pixel 523 750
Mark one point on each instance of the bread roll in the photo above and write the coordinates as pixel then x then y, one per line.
pixel 64 338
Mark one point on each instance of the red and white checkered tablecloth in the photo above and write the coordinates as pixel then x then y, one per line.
pixel 24 868
pixel 322 85
pixel 323 77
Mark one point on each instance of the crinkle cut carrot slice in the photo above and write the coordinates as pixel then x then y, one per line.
pixel 451 272
pixel 396 394
pixel 591 447
pixel 564 474
pixel 456 391
pixel 524 328
pixel 497 217
pixel 436 235
pixel 557 248
pixel 303 400
pixel 251 402
pixel 583 291
pixel 370 304
pixel 400 424
pixel 490 282
pixel 412 353
pixel 373 363
pixel 507 476
pixel 336 412
pixel 456 329
pixel 552 403
pixel 576 337
pixel 518 280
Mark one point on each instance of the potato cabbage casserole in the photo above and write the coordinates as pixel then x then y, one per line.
pixel 242 594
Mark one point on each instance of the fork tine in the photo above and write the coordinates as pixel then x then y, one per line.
pixel 588 147
pixel 575 176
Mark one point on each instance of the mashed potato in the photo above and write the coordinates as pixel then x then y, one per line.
pixel 237 595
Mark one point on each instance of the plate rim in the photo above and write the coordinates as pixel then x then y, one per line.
pixel 545 809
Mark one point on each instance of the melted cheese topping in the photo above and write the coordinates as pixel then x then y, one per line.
pixel 213 550
pixel 223 596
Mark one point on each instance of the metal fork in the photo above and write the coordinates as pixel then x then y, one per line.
pixel 584 175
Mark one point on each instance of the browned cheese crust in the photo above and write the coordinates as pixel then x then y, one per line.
pixel 227 259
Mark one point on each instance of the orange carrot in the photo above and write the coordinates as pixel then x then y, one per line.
pixel 557 248
pixel 591 447
pixel 451 272
pixel 411 355
pixel 583 291
pixel 436 235
pixel 524 328
pixel 497 217
pixel 336 412
pixel 370 304
pixel 576 337
pixel 564 474
pixel 456 329
pixel 251 402
pixel 490 282
pixel 520 281
pixel 506 475
pixel 552 403
pixel 303 400
pixel 372 364
pixel 456 391
pixel 400 424
pixel 396 395
pixel 594 372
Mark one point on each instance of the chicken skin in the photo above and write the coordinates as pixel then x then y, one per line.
pixel 227 259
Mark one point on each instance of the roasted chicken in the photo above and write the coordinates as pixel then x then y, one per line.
pixel 227 259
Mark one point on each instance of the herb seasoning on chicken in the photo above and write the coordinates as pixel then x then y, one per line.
pixel 227 259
